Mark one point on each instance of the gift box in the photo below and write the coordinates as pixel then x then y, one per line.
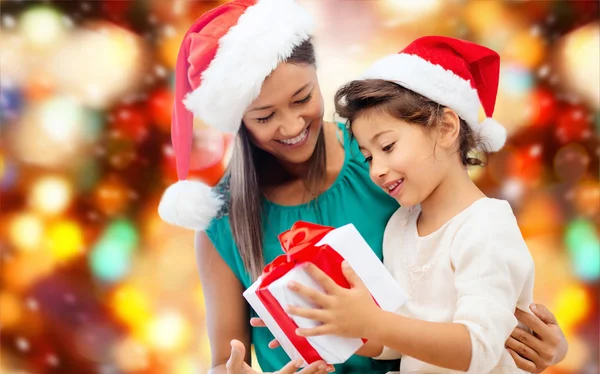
pixel 326 248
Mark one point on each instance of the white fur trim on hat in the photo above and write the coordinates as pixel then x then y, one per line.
pixel 189 204
pixel 492 134
pixel 430 80
pixel 264 36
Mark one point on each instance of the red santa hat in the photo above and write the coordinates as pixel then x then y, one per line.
pixel 223 61
pixel 455 73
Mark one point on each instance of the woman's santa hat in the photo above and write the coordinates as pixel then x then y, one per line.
pixel 223 61
pixel 455 73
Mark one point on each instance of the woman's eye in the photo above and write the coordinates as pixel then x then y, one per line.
pixel 368 159
pixel 305 100
pixel 265 119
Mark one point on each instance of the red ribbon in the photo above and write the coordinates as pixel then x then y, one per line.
pixel 299 245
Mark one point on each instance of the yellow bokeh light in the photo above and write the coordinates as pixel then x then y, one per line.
pixel 131 355
pixel 51 195
pixel 65 240
pixel 482 16
pixel 24 270
pixel 578 60
pixel 131 306
pixel 572 306
pixel 62 119
pixel 414 8
pixel 167 332
pixel 42 26
pixel 2 165
pixel 111 63
pixel 526 48
pixel 26 231
pixel 169 45
pixel 10 310
pixel 185 365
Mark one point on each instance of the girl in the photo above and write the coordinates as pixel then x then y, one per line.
pixel 458 254
pixel 250 65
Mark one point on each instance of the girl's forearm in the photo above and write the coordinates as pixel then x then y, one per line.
pixel 370 349
pixel 442 344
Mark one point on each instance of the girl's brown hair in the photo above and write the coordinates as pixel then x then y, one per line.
pixel 356 97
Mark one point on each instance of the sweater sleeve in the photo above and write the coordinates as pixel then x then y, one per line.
pixel 493 268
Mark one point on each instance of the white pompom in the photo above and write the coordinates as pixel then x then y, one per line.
pixel 189 204
pixel 492 134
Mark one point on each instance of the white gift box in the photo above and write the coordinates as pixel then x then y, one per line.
pixel 348 242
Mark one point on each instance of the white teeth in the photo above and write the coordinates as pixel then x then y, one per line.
pixel 297 139
pixel 395 184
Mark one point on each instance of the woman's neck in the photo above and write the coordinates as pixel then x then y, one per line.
pixel 454 194
pixel 287 184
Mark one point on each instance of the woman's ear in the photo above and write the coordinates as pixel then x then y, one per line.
pixel 448 129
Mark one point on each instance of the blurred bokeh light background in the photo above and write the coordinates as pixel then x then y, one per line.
pixel 93 282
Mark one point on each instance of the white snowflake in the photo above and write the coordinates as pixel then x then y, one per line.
pixel 32 304
pixel 8 21
pixel 22 344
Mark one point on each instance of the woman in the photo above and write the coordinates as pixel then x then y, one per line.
pixel 249 65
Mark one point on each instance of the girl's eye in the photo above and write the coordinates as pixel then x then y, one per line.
pixel 388 148
pixel 265 119
pixel 368 159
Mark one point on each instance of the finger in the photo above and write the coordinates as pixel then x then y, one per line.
pixel 291 367
pixel 236 358
pixel 528 339
pixel 534 323
pixel 543 313
pixel 324 280
pixel 274 344
pixel 318 315
pixel 351 276
pixel 523 350
pixel 317 367
pixel 316 331
pixel 311 294
pixel 257 322
pixel 522 363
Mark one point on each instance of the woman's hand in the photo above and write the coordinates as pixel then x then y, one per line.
pixel 258 322
pixel 342 312
pixel 547 345
pixel 237 365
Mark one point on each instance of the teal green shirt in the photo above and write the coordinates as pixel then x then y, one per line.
pixel 352 198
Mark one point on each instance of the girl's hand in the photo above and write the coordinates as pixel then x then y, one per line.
pixel 546 347
pixel 343 312
pixel 237 365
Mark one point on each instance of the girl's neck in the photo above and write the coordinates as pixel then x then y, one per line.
pixel 454 194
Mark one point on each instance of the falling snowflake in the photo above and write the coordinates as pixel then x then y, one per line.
pixel 544 71
pixel 160 71
pixel 69 298
pixel 52 360
pixel 535 150
pixel 512 190
pixel 8 22
pixel 22 344
pixel 32 304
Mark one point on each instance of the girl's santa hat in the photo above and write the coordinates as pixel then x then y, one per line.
pixel 455 73
pixel 223 61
